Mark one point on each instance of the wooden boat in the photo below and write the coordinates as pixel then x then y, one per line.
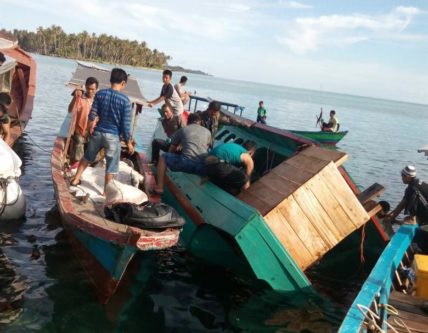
pixel 18 78
pixel 104 247
pixel 302 206
pixel 385 302
pixel 322 137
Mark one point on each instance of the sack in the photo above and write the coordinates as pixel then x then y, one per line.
pixel 145 216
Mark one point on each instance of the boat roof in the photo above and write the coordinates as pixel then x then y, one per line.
pixel 8 65
pixel 7 41
pixel 86 69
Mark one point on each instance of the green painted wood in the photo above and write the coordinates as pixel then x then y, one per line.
pixel 268 258
pixel 328 138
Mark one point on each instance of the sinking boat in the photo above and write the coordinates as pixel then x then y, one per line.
pixel 105 247
pixel 301 209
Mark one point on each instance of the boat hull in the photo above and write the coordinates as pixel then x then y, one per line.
pixel 323 138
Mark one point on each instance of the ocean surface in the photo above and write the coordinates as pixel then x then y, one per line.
pixel 44 289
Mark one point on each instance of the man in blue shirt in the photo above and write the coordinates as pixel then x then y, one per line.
pixel 109 119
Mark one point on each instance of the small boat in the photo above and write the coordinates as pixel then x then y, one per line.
pixel 324 138
pixel 104 247
pixel 12 200
pixel 394 297
pixel 302 206
pixel 18 78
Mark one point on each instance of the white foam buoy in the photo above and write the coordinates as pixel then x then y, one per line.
pixel 12 200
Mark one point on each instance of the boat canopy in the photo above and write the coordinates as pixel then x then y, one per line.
pixel 85 70
pixel 7 42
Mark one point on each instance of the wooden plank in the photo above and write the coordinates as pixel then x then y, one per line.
pixel 292 173
pixel 307 163
pixel 331 206
pixel 370 192
pixel 416 323
pixel 327 155
pixel 372 207
pixel 317 215
pixel 407 302
pixel 344 195
pixel 253 200
pixel 302 226
pixel 288 238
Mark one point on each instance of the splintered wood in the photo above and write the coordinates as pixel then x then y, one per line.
pixel 307 204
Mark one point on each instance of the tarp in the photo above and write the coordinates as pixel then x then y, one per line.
pixel 8 65
pixel 85 70
pixel 10 165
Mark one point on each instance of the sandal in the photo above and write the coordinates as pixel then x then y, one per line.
pixel 78 183
pixel 153 191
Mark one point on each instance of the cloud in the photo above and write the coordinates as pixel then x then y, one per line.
pixel 311 33
pixel 294 5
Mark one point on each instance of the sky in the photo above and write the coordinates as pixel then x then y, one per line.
pixel 368 48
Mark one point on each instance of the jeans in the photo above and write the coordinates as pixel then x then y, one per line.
pixel 110 143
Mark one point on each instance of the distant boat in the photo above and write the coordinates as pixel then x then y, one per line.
pixel 104 247
pixel 302 206
pixel 322 137
pixel 18 78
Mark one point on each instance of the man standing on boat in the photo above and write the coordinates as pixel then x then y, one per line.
pixel 229 166
pixel 194 141
pixel 170 124
pixel 414 201
pixel 169 95
pixel 112 109
pixel 83 103
pixel 333 123
pixel 261 113
pixel 212 118
pixel 179 87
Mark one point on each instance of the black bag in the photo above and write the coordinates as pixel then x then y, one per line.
pixel 145 216
pixel 418 203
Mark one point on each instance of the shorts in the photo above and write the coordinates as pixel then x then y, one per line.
pixel 176 162
pixel 110 143
pixel 226 176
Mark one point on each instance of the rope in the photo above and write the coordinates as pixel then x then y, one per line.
pixel 363 236
pixel 4 182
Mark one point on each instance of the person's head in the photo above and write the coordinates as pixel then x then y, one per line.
pixel 194 118
pixel 166 76
pixel 2 58
pixel 332 113
pixel 5 99
pixel 118 78
pixel 261 103
pixel 214 108
pixel 167 111
pixel 250 146
pixel 183 80
pixel 408 174
pixel 91 86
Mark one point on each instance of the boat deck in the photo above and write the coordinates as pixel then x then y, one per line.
pixel 409 311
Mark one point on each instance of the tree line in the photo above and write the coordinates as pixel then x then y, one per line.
pixel 53 41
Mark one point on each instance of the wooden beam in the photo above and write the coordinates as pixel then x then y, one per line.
pixel 370 192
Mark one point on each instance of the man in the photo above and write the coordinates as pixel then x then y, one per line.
pixel 333 123
pixel 170 124
pixel 2 58
pixel 5 134
pixel 212 118
pixel 414 200
pixel 229 166
pixel 261 113
pixel 168 95
pixel 82 102
pixel 415 205
pixel 179 87
pixel 194 141
pixel 112 109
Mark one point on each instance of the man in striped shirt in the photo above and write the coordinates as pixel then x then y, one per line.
pixel 109 119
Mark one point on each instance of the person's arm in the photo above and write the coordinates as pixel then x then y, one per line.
pixel 76 97
pixel 248 162
pixel 156 101
pixel 392 215
pixel 93 115
pixel 126 125
pixel 7 137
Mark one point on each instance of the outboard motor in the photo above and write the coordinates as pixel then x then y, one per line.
pixel 12 200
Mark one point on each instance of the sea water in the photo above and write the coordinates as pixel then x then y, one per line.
pixel 44 289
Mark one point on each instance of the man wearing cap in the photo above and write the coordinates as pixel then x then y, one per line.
pixel 414 201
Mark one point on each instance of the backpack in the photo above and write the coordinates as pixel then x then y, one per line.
pixel 418 203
